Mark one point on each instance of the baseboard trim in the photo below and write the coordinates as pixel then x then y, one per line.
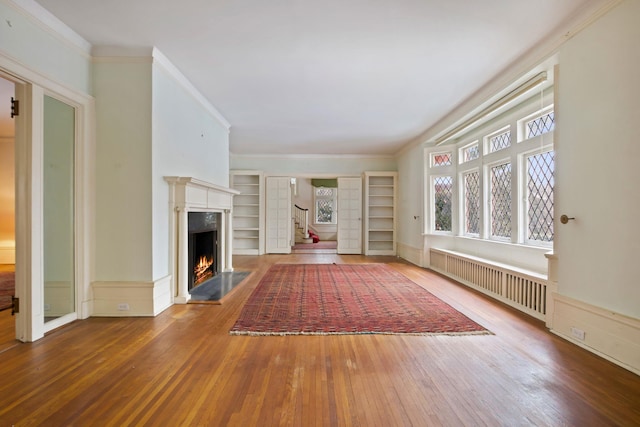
pixel 411 254
pixel 131 299
pixel 610 335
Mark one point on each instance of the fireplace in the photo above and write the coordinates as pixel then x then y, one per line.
pixel 200 224
pixel 203 247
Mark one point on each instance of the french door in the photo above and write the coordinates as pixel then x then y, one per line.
pixel 349 215
pixel 278 215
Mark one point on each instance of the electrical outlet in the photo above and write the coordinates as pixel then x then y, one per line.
pixel 47 307
pixel 123 307
pixel 577 333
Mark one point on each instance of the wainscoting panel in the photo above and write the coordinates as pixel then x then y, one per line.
pixel 611 335
pixel 411 254
pixel 130 299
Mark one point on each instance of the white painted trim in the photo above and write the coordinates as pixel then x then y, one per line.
pixel 173 71
pixel 410 253
pixel 162 295
pixel 23 74
pixel 145 299
pixel 611 335
pixel 31 86
pixel 50 23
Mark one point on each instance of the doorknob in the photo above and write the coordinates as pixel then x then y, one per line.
pixel 565 219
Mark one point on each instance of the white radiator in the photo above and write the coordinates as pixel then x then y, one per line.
pixel 521 289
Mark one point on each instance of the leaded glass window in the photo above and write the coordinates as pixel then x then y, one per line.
pixel 540 125
pixel 442 198
pixel 501 200
pixel 540 183
pixel 441 159
pixel 469 153
pixel 500 141
pixel 325 205
pixel 472 203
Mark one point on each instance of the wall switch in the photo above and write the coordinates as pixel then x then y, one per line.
pixel 123 307
pixel 577 333
pixel 47 307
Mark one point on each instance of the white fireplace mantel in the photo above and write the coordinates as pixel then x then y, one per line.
pixel 187 194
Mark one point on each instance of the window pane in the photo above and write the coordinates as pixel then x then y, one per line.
pixel 472 203
pixel 500 141
pixel 324 211
pixel 441 159
pixel 501 200
pixel 540 183
pixel 470 153
pixel 443 192
pixel 324 192
pixel 540 125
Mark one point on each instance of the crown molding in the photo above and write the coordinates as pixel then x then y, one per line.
pixel 51 24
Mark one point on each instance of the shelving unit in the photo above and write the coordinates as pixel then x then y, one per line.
pixel 248 212
pixel 380 213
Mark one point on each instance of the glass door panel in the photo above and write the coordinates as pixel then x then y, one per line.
pixel 58 194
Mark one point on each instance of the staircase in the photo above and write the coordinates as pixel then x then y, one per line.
pixel 302 232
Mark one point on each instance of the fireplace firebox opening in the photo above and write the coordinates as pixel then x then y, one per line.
pixel 203 247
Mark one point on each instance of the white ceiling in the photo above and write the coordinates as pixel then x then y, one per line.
pixel 327 77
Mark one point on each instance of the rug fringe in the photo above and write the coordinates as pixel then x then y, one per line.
pixel 282 334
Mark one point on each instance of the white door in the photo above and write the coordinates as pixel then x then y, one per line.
pixel 349 215
pixel 278 215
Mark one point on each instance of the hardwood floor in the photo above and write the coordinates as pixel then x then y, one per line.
pixel 182 368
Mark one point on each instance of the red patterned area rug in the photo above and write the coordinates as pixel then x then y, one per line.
pixel 328 299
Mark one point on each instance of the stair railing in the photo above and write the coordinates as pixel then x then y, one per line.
pixel 302 220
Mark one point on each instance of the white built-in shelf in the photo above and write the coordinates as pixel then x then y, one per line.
pixel 380 213
pixel 248 233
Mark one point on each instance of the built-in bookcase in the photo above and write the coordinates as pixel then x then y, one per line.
pixel 248 212
pixel 380 213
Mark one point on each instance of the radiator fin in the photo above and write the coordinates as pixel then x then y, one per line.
pixel 520 290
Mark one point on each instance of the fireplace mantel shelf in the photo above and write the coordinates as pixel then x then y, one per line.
pixel 189 181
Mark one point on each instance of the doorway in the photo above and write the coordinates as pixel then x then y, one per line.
pixel 7 215
pixel 334 208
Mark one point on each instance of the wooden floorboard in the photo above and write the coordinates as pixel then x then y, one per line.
pixel 183 368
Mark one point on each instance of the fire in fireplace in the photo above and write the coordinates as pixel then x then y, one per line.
pixel 203 247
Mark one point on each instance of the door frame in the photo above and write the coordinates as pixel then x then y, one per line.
pixel 31 87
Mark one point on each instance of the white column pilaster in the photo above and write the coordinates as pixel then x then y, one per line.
pixel 183 257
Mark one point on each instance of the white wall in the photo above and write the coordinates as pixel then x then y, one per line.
pixel 188 140
pixel 410 198
pixel 123 169
pixel 597 148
